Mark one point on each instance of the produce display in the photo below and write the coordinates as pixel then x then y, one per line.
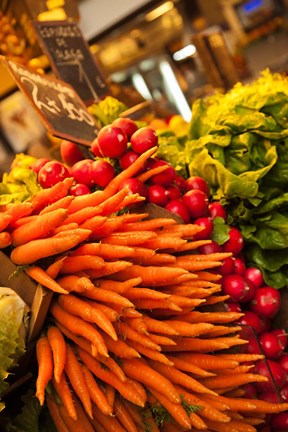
pixel 158 322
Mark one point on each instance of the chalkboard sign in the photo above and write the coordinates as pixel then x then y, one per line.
pixel 71 58
pixel 61 110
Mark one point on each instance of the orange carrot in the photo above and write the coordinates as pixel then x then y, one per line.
pixel 163 242
pixel 18 210
pixel 123 416
pixel 208 361
pixel 94 223
pixel 82 215
pixel 5 239
pixel 96 394
pixel 205 275
pixel 75 374
pixel 216 299
pixel 205 345
pixel 34 250
pixel 186 366
pixel 210 317
pixel 78 340
pixel 143 177
pixel 120 348
pixel 90 200
pixel 79 327
pixel 129 239
pixel 149 224
pixel 111 364
pixel 50 195
pixel 110 267
pixel 76 306
pixel 110 313
pixel 150 353
pixel 138 324
pixel 45 367
pixel 241 357
pixel 5 219
pixel 126 332
pixel 191 330
pixel 142 372
pixel 82 424
pixel 110 392
pixel 197 422
pixel 161 340
pixel 58 347
pixel 76 264
pixel 161 304
pixel 39 228
pixel 62 203
pixel 41 276
pixel 157 326
pixel 75 283
pixel 111 204
pixel 107 297
pixel 236 404
pixel 54 268
pixel 150 275
pixel 124 389
pixel 231 381
pixel 65 394
pixel 64 228
pixel 53 409
pixel 109 423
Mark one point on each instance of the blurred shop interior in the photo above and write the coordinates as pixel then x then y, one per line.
pixel 168 53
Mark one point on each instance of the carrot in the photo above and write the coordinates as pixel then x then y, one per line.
pixel 210 317
pixel 112 365
pixel 79 327
pixel 197 421
pixel 64 228
pixel 75 283
pixel 97 426
pixel 126 332
pixel 186 366
pixel 73 264
pixel 107 297
pixel 111 204
pixel 268 407
pixel 208 361
pixel 163 242
pixel 206 410
pixel 54 268
pixel 18 210
pixel 34 250
pixel 78 340
pixel 178 377
pixel 120 348
pixel 176 410
pixel 150 353
pixel 76 306
pixel 94 223
pixel 191 330
pixel 45 367
pixel 96 394
pixel 129 239
pixel 82 424
pixel 123 416
pixel 83 234
pixel 62 203
pixel 41 276
pixel 236 404
pixel 119 287
pixel 83 214
pixel 156 304
pixel 161 340
pixel 145 293
pixel 109 269
pixel 216 256
pixel 216 299
pixel 205 275
pixel 185 302
pixel 147 225
pixel 109 423
pixel 125 312
pixel 220 427
pixel 235 380
pixel 149 258
pixel 205 345
pixel 39 228
pixel 63 390
pixel 219 330
pixel 142 372
pixel 53 409
pixel 146 175
pixel 110 393
pixel 196 265
pixel 75 374
pixel 5 239
pixel 58 347
pixel 157 326
pixel 241 357
pixel 110 313
pixel 150 275
pixel 138 324
pixel 22 221
pixel 108 377
pixel 51 195
pixel 129 172
pixel 5 219
pixel 135 413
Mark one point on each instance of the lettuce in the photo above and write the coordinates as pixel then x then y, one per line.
pixel 13 320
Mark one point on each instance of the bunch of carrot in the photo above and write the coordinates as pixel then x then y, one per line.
pixel 134 342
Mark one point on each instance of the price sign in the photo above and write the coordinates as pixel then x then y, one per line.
pixel 61 110
pixel 71 58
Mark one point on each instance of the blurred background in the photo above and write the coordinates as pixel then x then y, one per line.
pixel 166 53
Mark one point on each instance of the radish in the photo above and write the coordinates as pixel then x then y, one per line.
pixel 52 172
pixel 164 178
pixel 112 141
pixel 251 319
pixel 283 361
pixel 101 172
pixel 274 372
pixel 195 182
pixel 255 276
pixel 279 422
pixel 217 210
pixel 266 301
pixel 157 195
pixel 143 139
pixel 197 203
pixel 79 189
pixel 80 172
pixel 127 125
pixel 271 345
pixel 239 266
pixel 235 243
pixel 237 288
pixel 208 227
pixel 178 207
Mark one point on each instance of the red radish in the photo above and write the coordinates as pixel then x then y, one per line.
pixel 166 177
pixel 207 231
pixel 270 396
pixel 144 139
pixel 251 319
pixel 235 243
pixel 197 203
pixel 255 276
pixel 212 247
pixel 81 173
pixel 266 301
pixel 239 266
pixel 284 393
pixel 101 172
pixel 274 372
pixel 127 159
pixel 178 207
pixel 250 391
pixel 157 195
pixel 271 345
pixel 51 173
pixel 95 149
pixel 281 335
pixel 283 361
pixel 180 182
pixel 279 422
pixel 38 164
pixel 79 189
pixel 127 124
pixel 70 152
pixel 227 266
pixel 195 182
pixel 237 288
pixel 135 186
pixel 217 210
pixel 265 323
pixel 173 192
pixel 231 306
pixel 252 346
pixel 112 141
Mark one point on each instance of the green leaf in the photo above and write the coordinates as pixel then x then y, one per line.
pixel 221 231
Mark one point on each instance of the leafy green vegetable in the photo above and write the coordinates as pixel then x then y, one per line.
pixel 107 110
pixel 238 142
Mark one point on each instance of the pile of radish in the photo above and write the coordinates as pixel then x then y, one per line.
pixel 117 146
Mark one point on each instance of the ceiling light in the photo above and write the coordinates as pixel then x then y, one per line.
pixel 160 10
pixel 185 52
